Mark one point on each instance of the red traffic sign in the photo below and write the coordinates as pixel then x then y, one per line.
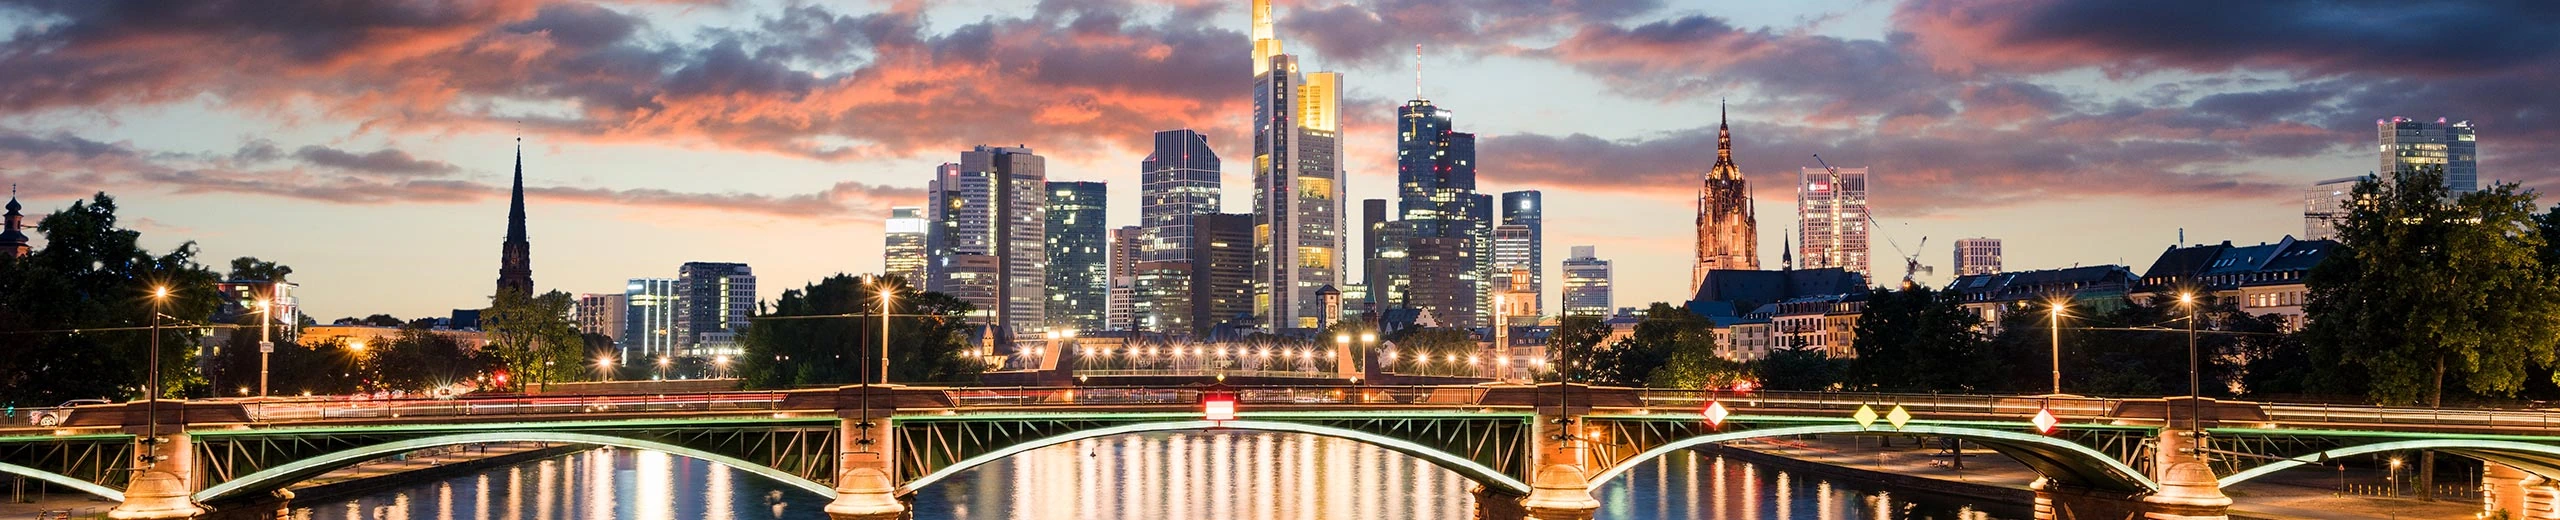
pixel 2045 422
pixel 1716 413
pixel 1218 406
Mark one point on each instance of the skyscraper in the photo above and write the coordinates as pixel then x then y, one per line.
pixel 1586 284
pixel 2323 204
pixel 904 253
pixel 713 300
pixel 1832 212
pixel 1444 281
pixel 1079 252
pixel 1181 180
pixel 649 319
pixel 1373 213
pixel 1221 270
pixel 1297 187
pixel 1128 246
pixel 1523 208
pixel 602 313
pixel 1513 259
pixel 1435 171
pixel 2409 145
pixel 515 258
pixel 991 204
pixel 1977 256
pixel 1728 233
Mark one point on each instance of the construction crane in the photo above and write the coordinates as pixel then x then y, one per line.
pixel 1911 267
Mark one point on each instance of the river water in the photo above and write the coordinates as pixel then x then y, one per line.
pixel 1206 475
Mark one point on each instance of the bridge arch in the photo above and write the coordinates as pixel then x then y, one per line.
pixel 83 486
pixel 1469 468
pixel 2539 459
pixel 2054 458
pixel 296 471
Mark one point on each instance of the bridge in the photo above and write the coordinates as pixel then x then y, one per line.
pixel 1533 451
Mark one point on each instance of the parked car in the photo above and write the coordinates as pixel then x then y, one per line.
pixel 56 416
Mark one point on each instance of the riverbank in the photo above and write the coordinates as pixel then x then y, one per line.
pixel 1988 475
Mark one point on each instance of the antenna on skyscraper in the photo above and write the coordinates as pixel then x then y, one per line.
pixel 1417 71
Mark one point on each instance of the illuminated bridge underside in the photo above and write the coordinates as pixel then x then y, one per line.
pixel 2536 455
pixel 237 464
pixel 93 464
pixel 1629 440
pixel 1490 448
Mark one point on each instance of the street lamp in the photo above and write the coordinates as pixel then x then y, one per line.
pixel 266 345
pixel 604 365
pixel 2195 385
pixel 151 406
pixel 2056 326
pixel 885 296
pixel 662 367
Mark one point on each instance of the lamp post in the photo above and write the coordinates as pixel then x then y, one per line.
pixel 266 346
pixel 2056 326
pixel 885 296
pixel 2195 386
pixel 151 406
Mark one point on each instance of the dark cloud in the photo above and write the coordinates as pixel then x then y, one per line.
pixel 1383 32
pixel 384 161
pixel 2441 39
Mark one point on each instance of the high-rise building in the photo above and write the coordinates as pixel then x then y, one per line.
pixel 2410 145
pixel 1977 256
pixel 1524 209
pixel 1514 258
pixel 1164 297
pixel 1373 214
pixel 1181 180
pixel 1221 284
pixel 1079 251
pixel 1444 280
pixel 1728 233
pixel 1479 244
pixel 1297 188
pixel 1435 171
pixel 904 252
pixel 992 204
pixel 515 258
pixel 13 243
pixel 2324 204
pixel 713 300
pixel 649 319
pixel 602 313
pixel 1128 246
pixel 1586 283
pixel 1831 208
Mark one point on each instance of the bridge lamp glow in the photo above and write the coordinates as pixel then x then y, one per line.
pixel 1368 337
pixel 1218 405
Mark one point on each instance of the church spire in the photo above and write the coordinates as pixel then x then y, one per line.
pixel 13 243
pixel 515 257
pixel 1724 147
pixel 1786 252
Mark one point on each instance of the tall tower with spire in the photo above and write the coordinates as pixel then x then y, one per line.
pixel 515 259
pixel 13 243
pixel 1298 208
pixel 1728 235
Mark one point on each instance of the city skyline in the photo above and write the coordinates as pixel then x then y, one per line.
pixel 341 195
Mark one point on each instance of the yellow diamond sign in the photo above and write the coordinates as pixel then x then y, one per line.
pixel 1898 417
pixel 1866 416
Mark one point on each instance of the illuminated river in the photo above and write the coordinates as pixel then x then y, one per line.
pixel 1216 475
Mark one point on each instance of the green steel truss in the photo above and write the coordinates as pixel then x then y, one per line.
pixel 105 460
pixel 800 447
pixel 1497 441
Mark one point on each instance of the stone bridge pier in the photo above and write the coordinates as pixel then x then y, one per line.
pixel 866 460
pixel 2518 494
pixel 2188 489
pixel 1560 485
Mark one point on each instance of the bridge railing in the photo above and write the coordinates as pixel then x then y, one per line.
pixel 2284 413
pixel 328 409
pixel 1292 395
pixel 1924 404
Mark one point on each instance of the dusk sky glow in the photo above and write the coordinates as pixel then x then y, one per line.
pixel 367 144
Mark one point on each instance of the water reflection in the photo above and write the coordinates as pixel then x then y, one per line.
pixel 1210 475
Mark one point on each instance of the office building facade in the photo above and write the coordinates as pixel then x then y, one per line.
pixel 602 313
pixel 903 253
pixel 2410 145
pixel 1524 209
pixel 1831 206
pixel 1221 272
pixel 1128 247
pixel 648 320
pixel 713 300
pixel 1586 284
pixel 2324 204
pixel 992 204
pixel 1297 191
pixel 1977 256
pixel 1079 252
pixel 1180 180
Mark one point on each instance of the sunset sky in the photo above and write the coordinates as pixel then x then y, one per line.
pixel 367 144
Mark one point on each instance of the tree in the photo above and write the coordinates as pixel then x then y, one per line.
pixel 533 337
pixel 93 274
pixel 1433 351
pixel 1920 340
pixel 1574 347
pixel 1800 368
pixel 251 268
pixel 1632 361
pixel 381 320
pixel 421 361
pixel 2423 292
pixel 1694 364
pixel 827 333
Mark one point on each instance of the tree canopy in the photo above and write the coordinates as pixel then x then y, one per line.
pixel 94 275
pixel 827 333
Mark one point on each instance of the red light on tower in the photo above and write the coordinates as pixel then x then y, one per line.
pixel 1716 413
pixel 1218 406
pixel 2045 422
